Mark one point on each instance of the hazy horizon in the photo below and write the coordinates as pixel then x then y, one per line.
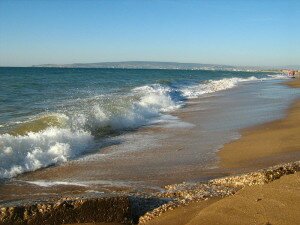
pixel 237 33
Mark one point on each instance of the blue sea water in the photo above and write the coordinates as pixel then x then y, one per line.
pixel 51 115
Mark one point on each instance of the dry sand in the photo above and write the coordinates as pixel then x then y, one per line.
pixel 270 204
pixel 276 203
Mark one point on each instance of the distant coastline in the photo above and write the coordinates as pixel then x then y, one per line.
pixel 143 65
pixel 162 65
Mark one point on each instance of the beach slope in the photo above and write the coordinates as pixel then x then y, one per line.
pixel 275 203
pixel 267 144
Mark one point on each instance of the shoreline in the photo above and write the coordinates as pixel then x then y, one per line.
pixel 187 198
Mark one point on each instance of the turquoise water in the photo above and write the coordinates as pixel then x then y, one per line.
pixel 51 115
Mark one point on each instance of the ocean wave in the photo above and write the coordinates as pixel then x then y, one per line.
pixel 55 138
pixel 37 124
pixel 159 98
pixel 212 86
pixel 278 76
pixel 72 131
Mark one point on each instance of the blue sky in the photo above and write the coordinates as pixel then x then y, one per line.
pixel 236 32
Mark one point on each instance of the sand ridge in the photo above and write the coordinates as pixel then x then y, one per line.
pixel 268 204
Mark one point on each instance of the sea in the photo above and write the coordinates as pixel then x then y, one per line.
pixel 51 116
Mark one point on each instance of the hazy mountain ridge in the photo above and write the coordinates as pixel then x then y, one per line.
pixel 143 65
pixel 167 65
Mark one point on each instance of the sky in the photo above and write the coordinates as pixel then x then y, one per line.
pixel 232 32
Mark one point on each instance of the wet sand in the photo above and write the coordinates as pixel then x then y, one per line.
pixel 266 144
pixel 294 83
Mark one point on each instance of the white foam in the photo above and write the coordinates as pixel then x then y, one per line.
pixel 278 76
pixel 156 97
pixel 42 183
pixel 20 154
pixel 212 86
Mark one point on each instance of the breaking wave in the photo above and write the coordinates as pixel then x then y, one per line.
pixel 212 86
pixel 74 130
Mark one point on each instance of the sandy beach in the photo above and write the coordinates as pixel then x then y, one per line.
pixel 274 203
